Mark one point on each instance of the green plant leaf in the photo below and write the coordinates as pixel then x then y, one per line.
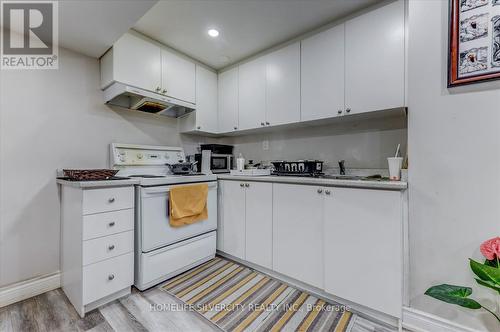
pixel 485 272
pixel 457 295
pixel 489 284
pixel 493 262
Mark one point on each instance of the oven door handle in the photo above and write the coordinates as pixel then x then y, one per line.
pixel 163 189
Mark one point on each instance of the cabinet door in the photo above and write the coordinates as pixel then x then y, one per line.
pixel 137 62
pixel 363 247
pixel 322 75
pixel 206 100
pixel 283 85
pixel 259 223
pixel 375 59
pixel 252 94
pixel 178 76
pixel 233 218
pixel 228 100
pixel 298 232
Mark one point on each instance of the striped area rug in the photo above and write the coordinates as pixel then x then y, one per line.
pixel 238 298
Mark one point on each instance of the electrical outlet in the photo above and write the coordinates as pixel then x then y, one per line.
pixel 265 145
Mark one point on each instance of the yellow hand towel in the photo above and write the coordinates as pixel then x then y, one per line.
pixel 188 204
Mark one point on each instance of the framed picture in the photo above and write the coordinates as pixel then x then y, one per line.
pixel 474 40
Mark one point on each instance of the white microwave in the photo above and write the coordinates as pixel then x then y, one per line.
pixel 218 163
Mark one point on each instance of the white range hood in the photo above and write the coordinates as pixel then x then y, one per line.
pixel 121 95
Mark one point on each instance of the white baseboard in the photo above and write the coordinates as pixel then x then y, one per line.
pixel 420 321
pixel 29 288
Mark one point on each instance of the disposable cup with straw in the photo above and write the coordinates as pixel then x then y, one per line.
pixel 395 164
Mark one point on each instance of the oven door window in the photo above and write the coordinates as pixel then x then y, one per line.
pixel 219 163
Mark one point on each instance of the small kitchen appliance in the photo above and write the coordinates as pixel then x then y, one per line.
pixel 163 251
pixel 182 167
pixel 218 158
pixel 298 168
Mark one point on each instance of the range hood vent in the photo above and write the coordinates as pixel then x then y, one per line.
pixel 124 96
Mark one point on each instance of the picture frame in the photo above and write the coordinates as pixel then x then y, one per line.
pixel 474 41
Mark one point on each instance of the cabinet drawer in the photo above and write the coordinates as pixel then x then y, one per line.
pixel 107 247
pixel 108 223
pixel 107 199
pixel 107 277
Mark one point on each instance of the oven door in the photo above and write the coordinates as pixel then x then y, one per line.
pixel 220 163
pixel 155 229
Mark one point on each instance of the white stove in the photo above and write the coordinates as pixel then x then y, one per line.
pixel 148 163
pixel 163 251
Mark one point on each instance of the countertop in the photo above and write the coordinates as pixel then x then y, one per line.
pixel 388 185
pixel 98 184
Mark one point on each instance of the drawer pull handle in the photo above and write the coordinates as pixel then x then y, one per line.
pixel 111 247
pixel 111 224
pixel 111 277
pixel 111 200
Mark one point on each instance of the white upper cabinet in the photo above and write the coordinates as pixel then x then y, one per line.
pixel 322 75
pixel 283 85
pixel 363 247
pixel 228 100
pixel 133 61
pixel 178 77
pixel 205 119
pixel 375 59
pixel 252 94
pixel 206 100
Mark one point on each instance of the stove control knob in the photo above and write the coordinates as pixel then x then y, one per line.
pixel 122 159
pixel 140 155
pixel 167 156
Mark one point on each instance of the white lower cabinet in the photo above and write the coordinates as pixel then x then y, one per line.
pixel 232 209
pixel 345 241
pixel 363 247
pixel 107 277
pixel 259 223
pixel 298 232
pixel 246 221
pixel 97 244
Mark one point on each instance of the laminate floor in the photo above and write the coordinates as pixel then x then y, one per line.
pixel 151 310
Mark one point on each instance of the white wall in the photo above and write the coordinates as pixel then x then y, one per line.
pixel 454 143
pixel 364 144
pixel 52 119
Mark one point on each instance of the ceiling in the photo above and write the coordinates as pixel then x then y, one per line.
pixel 246 26
pixel 90 27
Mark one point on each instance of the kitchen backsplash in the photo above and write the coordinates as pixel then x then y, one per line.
pixel 364 144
